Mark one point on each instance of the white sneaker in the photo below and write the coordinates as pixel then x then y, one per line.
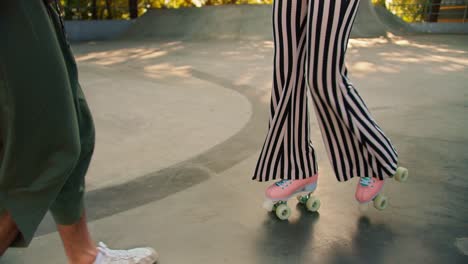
pixel 132 256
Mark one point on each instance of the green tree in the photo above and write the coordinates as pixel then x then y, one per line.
pixel 408 10
pixel 129 9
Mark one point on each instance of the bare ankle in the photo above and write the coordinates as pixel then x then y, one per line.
pixel 84 257
pixel 77 242
pixel 8 232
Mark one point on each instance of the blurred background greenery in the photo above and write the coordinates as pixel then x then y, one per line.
pixel 126 9
pixel 409 10
pixel 441 11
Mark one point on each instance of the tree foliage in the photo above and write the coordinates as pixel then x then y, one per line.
pixel 200 3
pixel 409 10
pixel 120 9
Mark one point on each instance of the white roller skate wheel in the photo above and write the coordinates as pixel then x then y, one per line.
pixel 283 212
pixel 401 174
pixel 380 202
pixel 268 205
pixel 313 204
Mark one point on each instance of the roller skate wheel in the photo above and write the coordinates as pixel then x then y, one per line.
pixel 380 202
pixel 313 204
pixel 283 212
pixel 268 205
pixel 401 174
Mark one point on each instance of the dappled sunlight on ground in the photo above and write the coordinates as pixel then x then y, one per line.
pixel 164 70
pixel 243 62
pixel 123 55
pixel 367 42
pixel 431 47
pixel 395 53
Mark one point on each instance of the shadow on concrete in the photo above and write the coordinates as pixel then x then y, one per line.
pixel 367 246
pixel 286 241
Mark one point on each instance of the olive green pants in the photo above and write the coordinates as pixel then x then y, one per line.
pixel 46 128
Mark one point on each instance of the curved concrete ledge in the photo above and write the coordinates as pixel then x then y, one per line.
pixel 78 31
pixel 238 22
pixel 441 28
pixel 245 22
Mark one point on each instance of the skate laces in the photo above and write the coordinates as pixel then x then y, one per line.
pixel 118 254
pixel 282 183
pixel 365 181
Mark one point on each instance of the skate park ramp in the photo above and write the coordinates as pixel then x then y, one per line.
pixel 375 21
pixel 245 22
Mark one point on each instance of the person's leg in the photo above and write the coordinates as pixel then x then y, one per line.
pixel 355 143
pixel 39 135
pixel 68 208
pixel 80 248
pixel 77 242
pixel 287 152
pixel 8 231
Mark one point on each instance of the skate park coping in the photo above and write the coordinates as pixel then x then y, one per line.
pixel 237 22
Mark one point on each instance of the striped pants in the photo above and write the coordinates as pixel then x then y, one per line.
pixel 311 38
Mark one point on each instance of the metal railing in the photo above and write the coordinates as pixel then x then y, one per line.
pixel 428 11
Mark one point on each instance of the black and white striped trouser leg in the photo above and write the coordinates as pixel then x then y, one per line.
pixel 311 38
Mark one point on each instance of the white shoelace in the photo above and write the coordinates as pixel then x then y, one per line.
pixel 282 183
pixel 119 254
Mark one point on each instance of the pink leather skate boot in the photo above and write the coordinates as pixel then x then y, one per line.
pixel 278 194
pixel 285 189
pixel 369 189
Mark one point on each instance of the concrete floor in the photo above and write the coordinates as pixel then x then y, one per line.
pixel 180 125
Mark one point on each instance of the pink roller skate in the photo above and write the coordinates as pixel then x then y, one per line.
pixel 278 194
pixel 370 189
